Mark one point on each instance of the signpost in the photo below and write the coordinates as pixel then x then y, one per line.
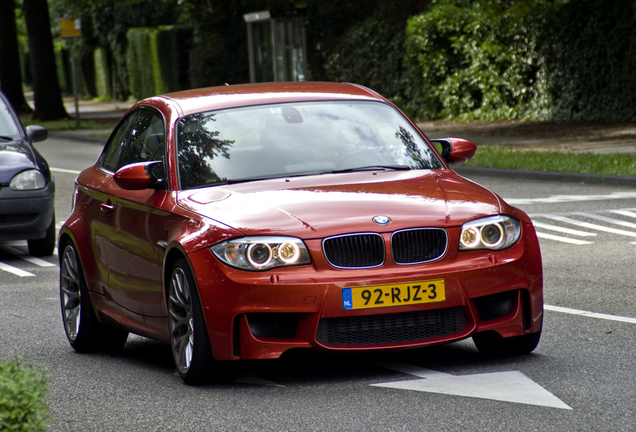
pixel 72 28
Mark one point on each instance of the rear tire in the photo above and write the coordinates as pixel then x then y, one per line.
pixel 45 246
pixel 84 332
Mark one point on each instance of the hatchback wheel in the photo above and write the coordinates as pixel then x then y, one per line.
pixel 45 246
pixel 188 332
pixel 83 331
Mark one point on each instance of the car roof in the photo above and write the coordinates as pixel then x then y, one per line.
pixel 231 96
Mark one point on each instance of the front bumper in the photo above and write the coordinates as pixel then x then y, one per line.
pixel 257 315
pixel 26 215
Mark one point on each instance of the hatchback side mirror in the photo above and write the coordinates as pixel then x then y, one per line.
pixel 140 175
pixel 456 150
pixel 37 133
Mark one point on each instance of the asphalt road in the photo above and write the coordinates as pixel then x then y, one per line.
pixel 580 377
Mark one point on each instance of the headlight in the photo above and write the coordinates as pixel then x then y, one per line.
pixel 493 232
pixel 262 253
pixel 28 180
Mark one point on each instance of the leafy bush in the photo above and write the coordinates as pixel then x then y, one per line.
pixel 589 48
pixel 23 389
pixel 370 54
pixel 506 59
pixel 476 61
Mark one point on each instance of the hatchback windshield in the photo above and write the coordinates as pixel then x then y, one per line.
pixel 299 138
pixel 8 127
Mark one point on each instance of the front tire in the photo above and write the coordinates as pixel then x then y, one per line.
pixel 83 331
pixel 189 338
pixel 491 343
pixel 45 246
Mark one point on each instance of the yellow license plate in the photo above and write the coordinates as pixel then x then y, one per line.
pixel 394 294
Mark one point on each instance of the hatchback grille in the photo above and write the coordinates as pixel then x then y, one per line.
pixel 418 245
pixel 355 250
pixel 391 328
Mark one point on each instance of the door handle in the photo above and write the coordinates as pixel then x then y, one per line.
pixel 107 208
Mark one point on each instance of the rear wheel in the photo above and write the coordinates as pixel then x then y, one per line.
pixel 84 332
pixel 45 246
pixel 189 338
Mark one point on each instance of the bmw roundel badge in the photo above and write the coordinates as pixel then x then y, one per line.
pixel 382 220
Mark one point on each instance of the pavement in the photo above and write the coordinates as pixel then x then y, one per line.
pixel 597 138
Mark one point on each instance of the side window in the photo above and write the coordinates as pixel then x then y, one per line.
pixel 140 138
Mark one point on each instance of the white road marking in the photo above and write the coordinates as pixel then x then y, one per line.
pixel 33 260
pixel 563 230
pixel 563 239
pixel 571 198
pixel 589 225
pixel 508 386
pixel 609 220
pixel 14 270
pixel 67 171
pixel 625 213
pixel 590 314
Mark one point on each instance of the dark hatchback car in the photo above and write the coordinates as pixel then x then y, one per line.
pixel 27 189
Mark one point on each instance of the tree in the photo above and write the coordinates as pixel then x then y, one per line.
pixel 10 72
pixel 46 89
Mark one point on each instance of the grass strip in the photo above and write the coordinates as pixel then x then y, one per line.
pixel 616 164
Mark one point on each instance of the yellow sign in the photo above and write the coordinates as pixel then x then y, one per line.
pixel 70 27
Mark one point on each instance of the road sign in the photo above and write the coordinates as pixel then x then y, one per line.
pixel 70 27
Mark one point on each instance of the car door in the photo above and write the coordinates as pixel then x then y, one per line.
pixel 133 231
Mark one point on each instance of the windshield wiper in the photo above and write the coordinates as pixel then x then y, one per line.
pixel 7 138
pixel 370 168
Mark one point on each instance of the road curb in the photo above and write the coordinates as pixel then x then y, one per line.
pixel 548 176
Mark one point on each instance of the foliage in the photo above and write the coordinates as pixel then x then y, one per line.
pixel 476 60
pixel 152 59
pixel 585 163
pixel 23 389
pixel 590 52
pixel 506 59
pixel 370 53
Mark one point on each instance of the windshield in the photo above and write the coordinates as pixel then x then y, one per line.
pixel 283 140
pixel 8 127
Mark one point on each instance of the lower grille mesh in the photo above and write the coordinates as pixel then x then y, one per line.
pixel 390 328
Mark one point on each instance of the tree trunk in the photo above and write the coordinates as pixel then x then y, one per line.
pixel 10 70
pixel 46 89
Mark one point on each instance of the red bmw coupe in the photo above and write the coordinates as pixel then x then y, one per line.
pixel 239 222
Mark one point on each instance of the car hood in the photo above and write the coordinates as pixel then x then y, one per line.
pixel 15 157
pixel 320 206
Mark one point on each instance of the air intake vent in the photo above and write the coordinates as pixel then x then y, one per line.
pixel 355 250
pixel 391 328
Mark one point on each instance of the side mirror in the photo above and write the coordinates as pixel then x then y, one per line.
pixel 456 150
pixel 140 175
pixel 37 133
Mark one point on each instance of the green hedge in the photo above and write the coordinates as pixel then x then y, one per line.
pixel 529 59
pixel 152 58
pixel 589 48
pixel 23 389
pixel 476 61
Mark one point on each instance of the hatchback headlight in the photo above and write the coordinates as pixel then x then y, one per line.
pixel 493 232
pixel 262 253
pixel 28 180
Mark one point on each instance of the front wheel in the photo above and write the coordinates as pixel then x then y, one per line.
pixel 84 332
pixel 45 246
pixel 491 343
pixel 188 332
